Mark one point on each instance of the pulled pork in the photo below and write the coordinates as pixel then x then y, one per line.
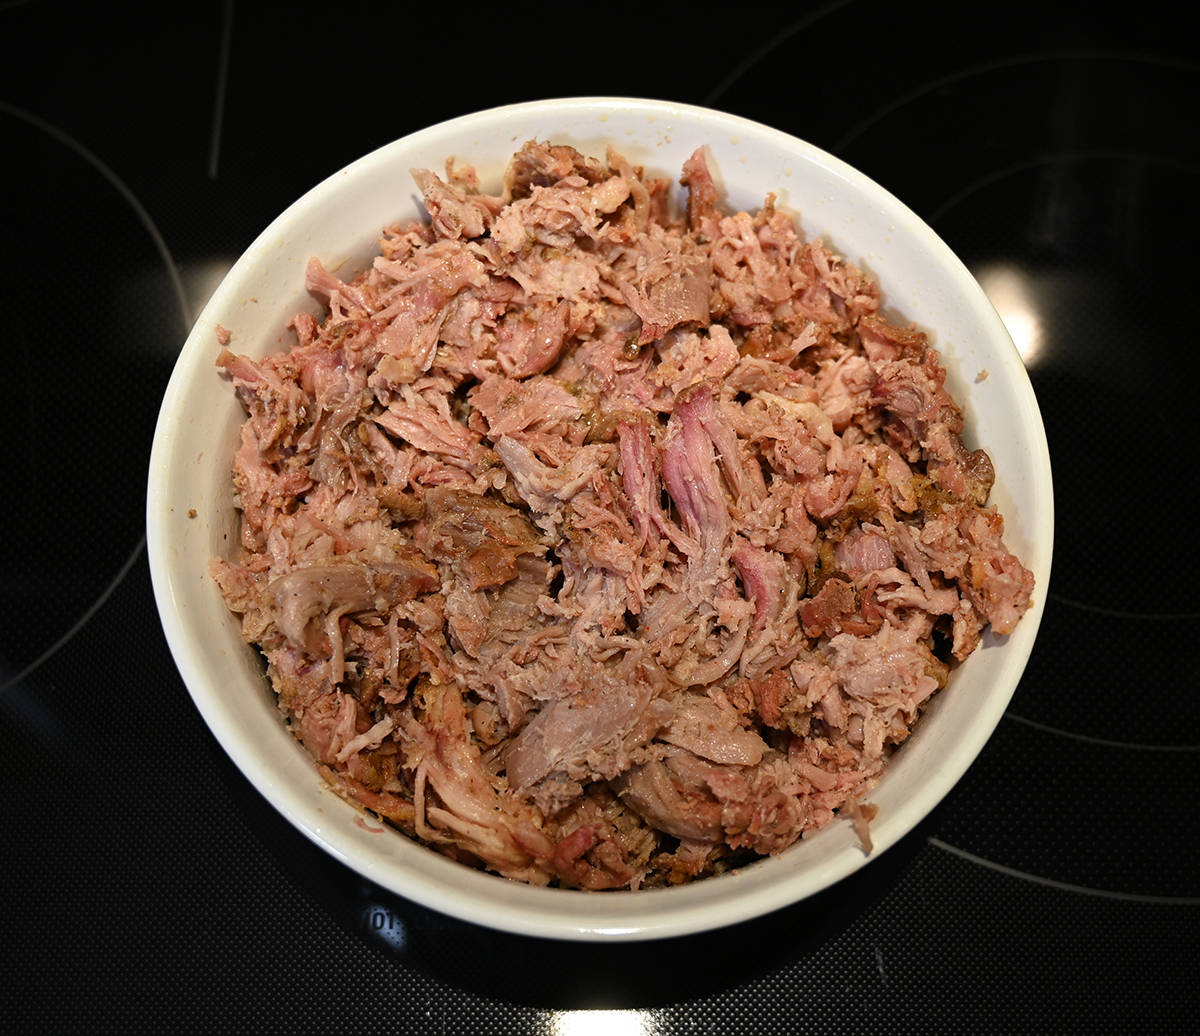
pixel 601 547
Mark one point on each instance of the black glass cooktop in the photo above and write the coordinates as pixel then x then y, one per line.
pixel 148 886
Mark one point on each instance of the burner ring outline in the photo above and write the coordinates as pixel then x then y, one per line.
pixel 172 268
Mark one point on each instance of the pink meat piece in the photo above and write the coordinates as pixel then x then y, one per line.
pixel 542 485
pixel 703 213
pixel 1000 587
pixel 528 346
pixel 880 675
pixel 432 432
pixel 264 489
pixel 672 802
pixel 689 466
pixel 711 728
pixel 921 414
pixel 865 549
pixel 416 301
pixel 454 213
pixel 894 588
pixel 592 727
pixel 538 164
pixel 320 281
pixel 639 478
pixel 675 292
pixel 640 470
pixel 691 798
pixel 688 357
pixel 844 388
pixel 763 575
pixel 743 475
pixel 497 829
pixel 309 593
pixel 559 215
pixel 537 404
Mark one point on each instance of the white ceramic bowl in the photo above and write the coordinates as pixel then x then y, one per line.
pixel 339 221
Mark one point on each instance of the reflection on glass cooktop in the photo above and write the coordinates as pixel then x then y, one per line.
pixel 1056 887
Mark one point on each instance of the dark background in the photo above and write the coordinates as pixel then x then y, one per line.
pixel 147 886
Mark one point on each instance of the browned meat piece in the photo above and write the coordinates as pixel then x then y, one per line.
pixel 481 535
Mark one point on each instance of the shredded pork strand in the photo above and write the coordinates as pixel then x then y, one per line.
pixel 602 547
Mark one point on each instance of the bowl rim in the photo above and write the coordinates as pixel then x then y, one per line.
pixel 488 899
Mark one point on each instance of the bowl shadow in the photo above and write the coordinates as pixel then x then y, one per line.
pixel 548 973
